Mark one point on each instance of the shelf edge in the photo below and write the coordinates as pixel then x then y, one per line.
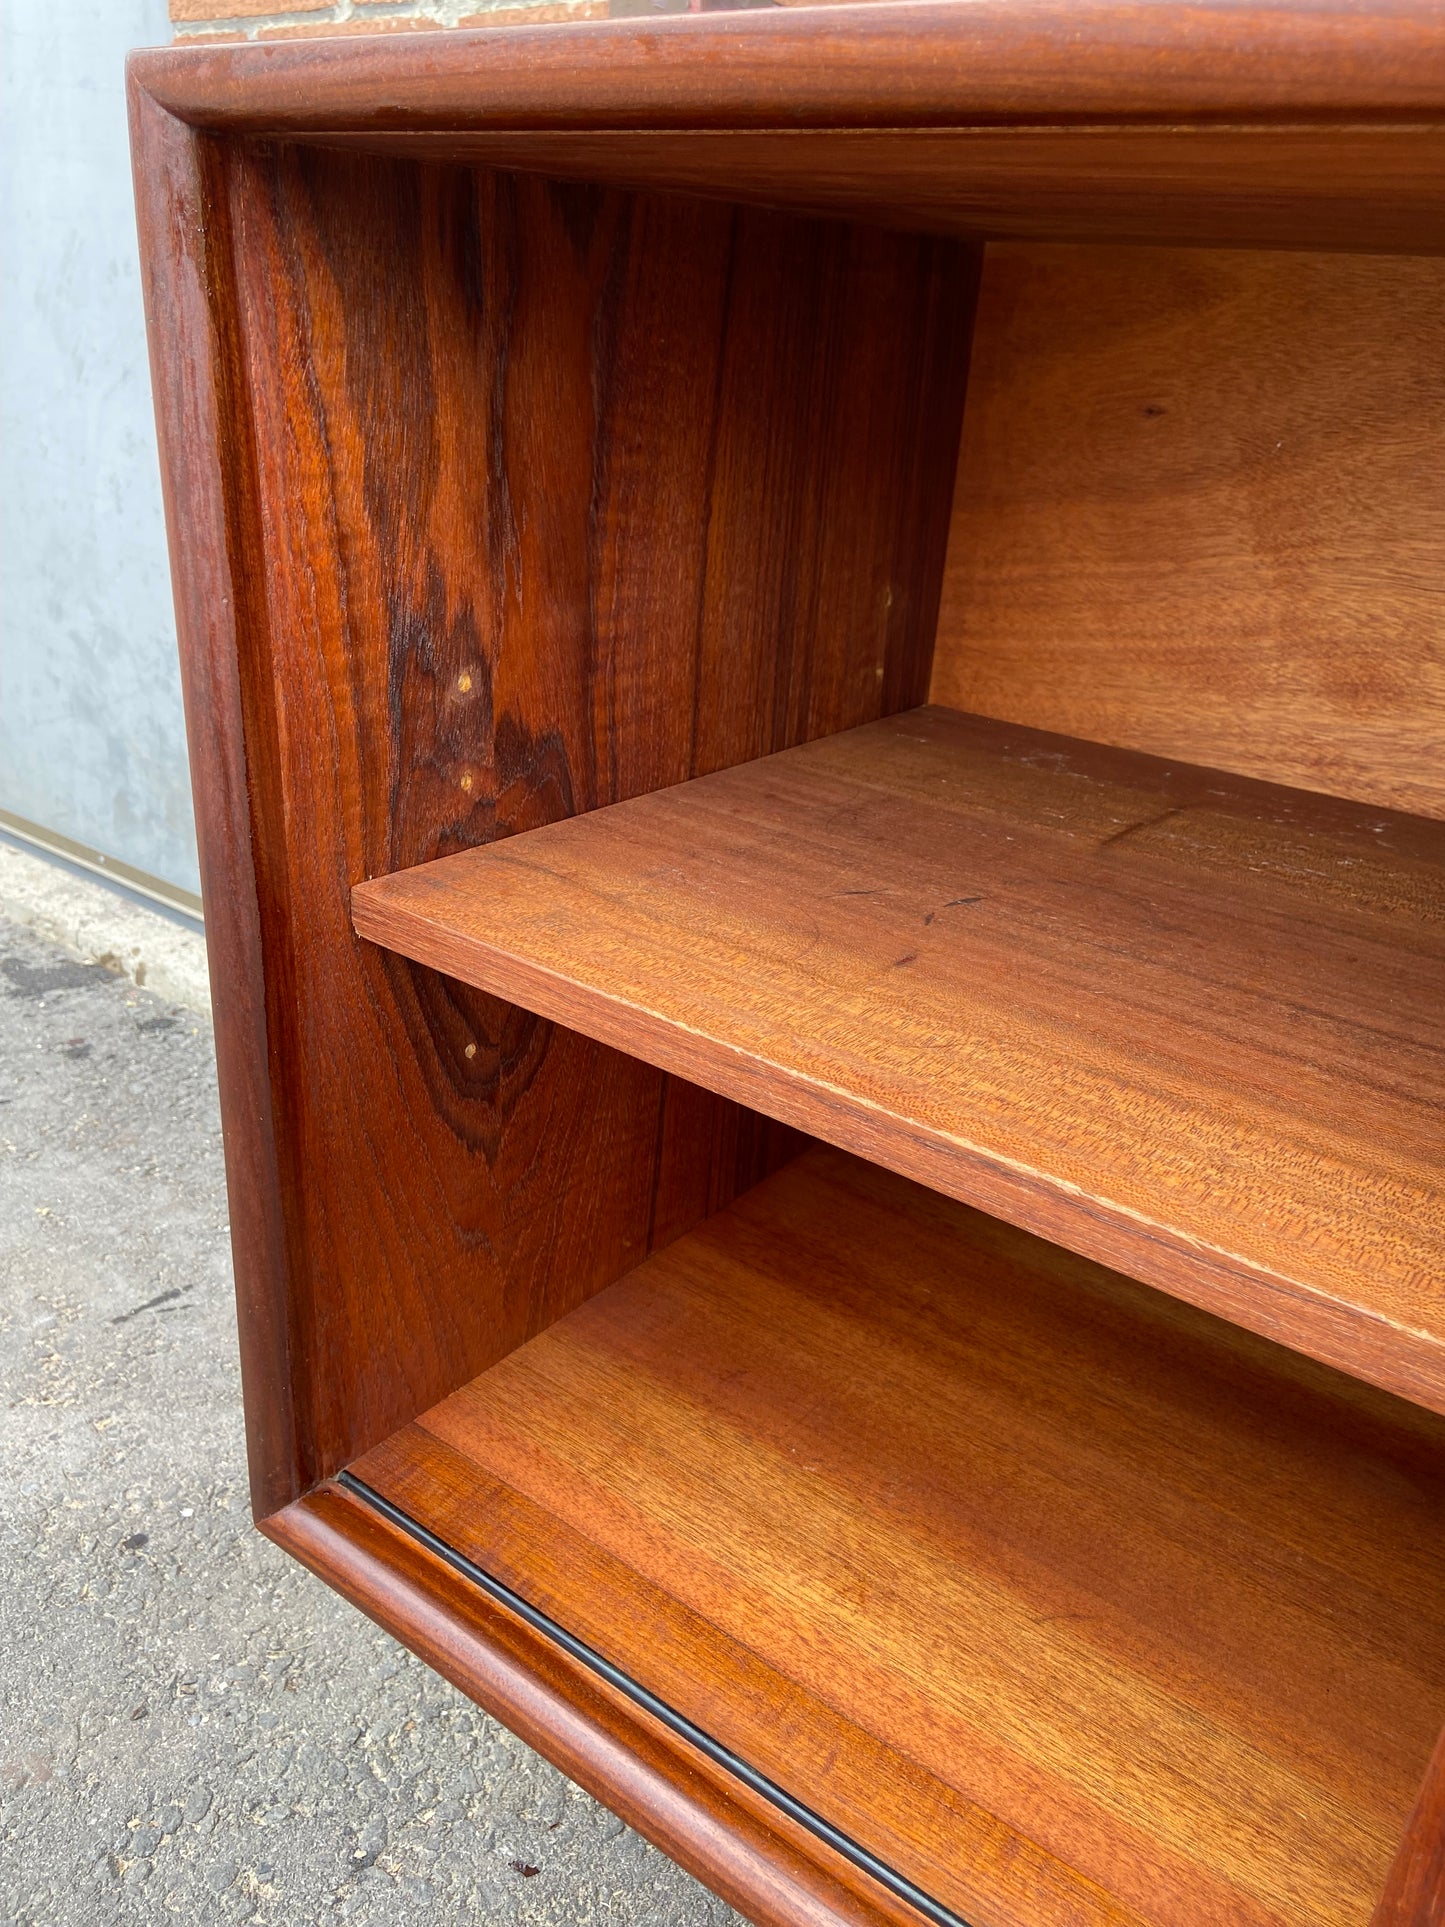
pixel 1348 1337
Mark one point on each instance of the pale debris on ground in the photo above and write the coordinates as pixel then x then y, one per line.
pixel 98 925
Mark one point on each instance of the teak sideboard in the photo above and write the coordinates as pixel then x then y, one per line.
pixel 815 658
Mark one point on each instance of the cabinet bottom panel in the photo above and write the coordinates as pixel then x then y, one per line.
pixel 1055 1599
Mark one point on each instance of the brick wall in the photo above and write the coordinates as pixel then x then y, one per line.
pixel 275 19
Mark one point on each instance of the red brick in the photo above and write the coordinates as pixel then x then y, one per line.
pixel 409 23
pixel 184 10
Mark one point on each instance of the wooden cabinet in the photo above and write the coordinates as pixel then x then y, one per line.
pixel 815 658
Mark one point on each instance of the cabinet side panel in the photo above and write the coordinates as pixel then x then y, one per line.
pixel 208 504
pixel 1201 512
pixel 561 495
pixel 1414 1894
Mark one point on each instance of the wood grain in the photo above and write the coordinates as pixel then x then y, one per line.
pixel 1367 187
pixel 1073 1603
pixel 1183 1023
pixel 531 498
pixel 931 64
pixel 1290 125
pixel 749 1853
pixel 1200 511
pixel 494 501
pixel 204 489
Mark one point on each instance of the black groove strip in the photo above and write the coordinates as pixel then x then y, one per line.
pixel 841 1843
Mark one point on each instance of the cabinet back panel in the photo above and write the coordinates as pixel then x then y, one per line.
pixel 1201 511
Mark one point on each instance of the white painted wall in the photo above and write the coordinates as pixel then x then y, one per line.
pixel 91 736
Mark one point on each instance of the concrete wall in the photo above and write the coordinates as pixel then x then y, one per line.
pixel 91 737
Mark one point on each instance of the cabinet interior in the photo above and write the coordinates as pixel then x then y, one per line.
pixel 1030 1575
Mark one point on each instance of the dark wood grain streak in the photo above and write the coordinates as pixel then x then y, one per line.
pixel 750 1854
pixel 1187 1024
pixel 1073 1604
pixel 1414 1894
pixel 532 498
pixel 904 65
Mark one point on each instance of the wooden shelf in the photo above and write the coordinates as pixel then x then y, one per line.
pixel 1186 1024
pixel 1071 1603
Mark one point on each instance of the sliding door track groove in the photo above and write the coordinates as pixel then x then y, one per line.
pixel 842 1844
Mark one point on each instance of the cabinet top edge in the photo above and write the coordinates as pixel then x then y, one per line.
pixel 909 64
